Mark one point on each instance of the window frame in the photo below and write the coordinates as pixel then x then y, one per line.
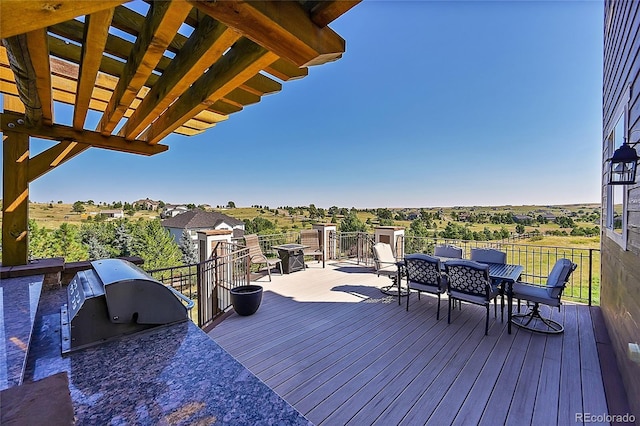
pixel 609 146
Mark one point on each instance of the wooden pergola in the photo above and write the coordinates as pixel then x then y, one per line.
pixel 149 68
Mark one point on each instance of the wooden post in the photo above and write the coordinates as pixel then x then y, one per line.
pixel 15 199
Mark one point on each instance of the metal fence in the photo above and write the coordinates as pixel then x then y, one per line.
pixel 208 283
pixel 583 286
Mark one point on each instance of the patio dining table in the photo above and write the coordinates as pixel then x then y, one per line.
pixel 499 272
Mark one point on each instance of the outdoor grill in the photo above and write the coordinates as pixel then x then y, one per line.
pixel 116 298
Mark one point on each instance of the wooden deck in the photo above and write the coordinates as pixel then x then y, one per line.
pixel 331 344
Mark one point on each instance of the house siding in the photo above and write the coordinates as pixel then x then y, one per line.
pixel 620 270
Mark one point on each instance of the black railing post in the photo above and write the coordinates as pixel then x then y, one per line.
pixel 590 274
pixel 200 287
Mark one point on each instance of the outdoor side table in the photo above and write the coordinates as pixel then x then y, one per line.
pixel 292 256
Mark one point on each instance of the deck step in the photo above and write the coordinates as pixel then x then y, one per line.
pixel 19 299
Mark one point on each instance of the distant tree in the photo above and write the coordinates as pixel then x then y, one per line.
pixel 384 214
pixel 418 228
pixel 117 204
pixel 231 205
pixel 59 201
pixel 78 207
pixel 260 225
pixel 191 206
pixel 95 249
pixel 188 248
pixel 69 243
pixel 351 223
pixel 90 202
pixel 123 240
pixel 520 228
pixel 313 211
pixel 155 245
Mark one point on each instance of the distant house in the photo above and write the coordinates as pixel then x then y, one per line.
pixel 115 214
pixel 146 204
pixel 200 220
pixel 521 218
pixel 549 216
pixel 173 210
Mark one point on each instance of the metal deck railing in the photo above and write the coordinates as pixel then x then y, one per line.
pixel 208 283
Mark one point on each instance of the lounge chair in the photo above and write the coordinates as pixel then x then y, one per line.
pixel 385 263
pixel 256 256
pixel 311 239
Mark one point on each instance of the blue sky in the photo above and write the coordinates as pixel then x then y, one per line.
pixel 433 104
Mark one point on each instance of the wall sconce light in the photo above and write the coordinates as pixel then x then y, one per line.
pixel 623 165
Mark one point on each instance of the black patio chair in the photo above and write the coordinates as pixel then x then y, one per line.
pixel 424 274
pixel 549 295
pixel 468 281
pixel 487 255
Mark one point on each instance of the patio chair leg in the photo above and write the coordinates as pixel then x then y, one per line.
pixel 408 296
pixel 486 324
pixel 449 312
pixel 269 271
pixel 553 327
pixel 438 311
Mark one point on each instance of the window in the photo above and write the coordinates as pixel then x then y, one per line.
pixel 616 209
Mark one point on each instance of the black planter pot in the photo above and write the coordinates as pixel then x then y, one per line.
pixel 246 299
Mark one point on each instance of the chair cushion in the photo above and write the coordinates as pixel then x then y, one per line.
pixel 478 300
pixel 427 288
pixel 558 277
pixel 534 293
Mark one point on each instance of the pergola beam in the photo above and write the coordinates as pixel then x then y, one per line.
pixel 53 157
pixel 15 123
pixel 15 198
pixel 205 46
pixel 21 16
pixel 325 12
pixel 160 27
pixel 283 27
pixel 39 56
pixel 96 33
pixel 243 61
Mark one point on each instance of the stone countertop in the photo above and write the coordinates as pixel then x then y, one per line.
pixel 172 374
pixel 18 306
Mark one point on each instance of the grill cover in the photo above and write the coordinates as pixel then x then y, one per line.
pixel 112 299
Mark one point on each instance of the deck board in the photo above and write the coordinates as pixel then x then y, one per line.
pixel 341 352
